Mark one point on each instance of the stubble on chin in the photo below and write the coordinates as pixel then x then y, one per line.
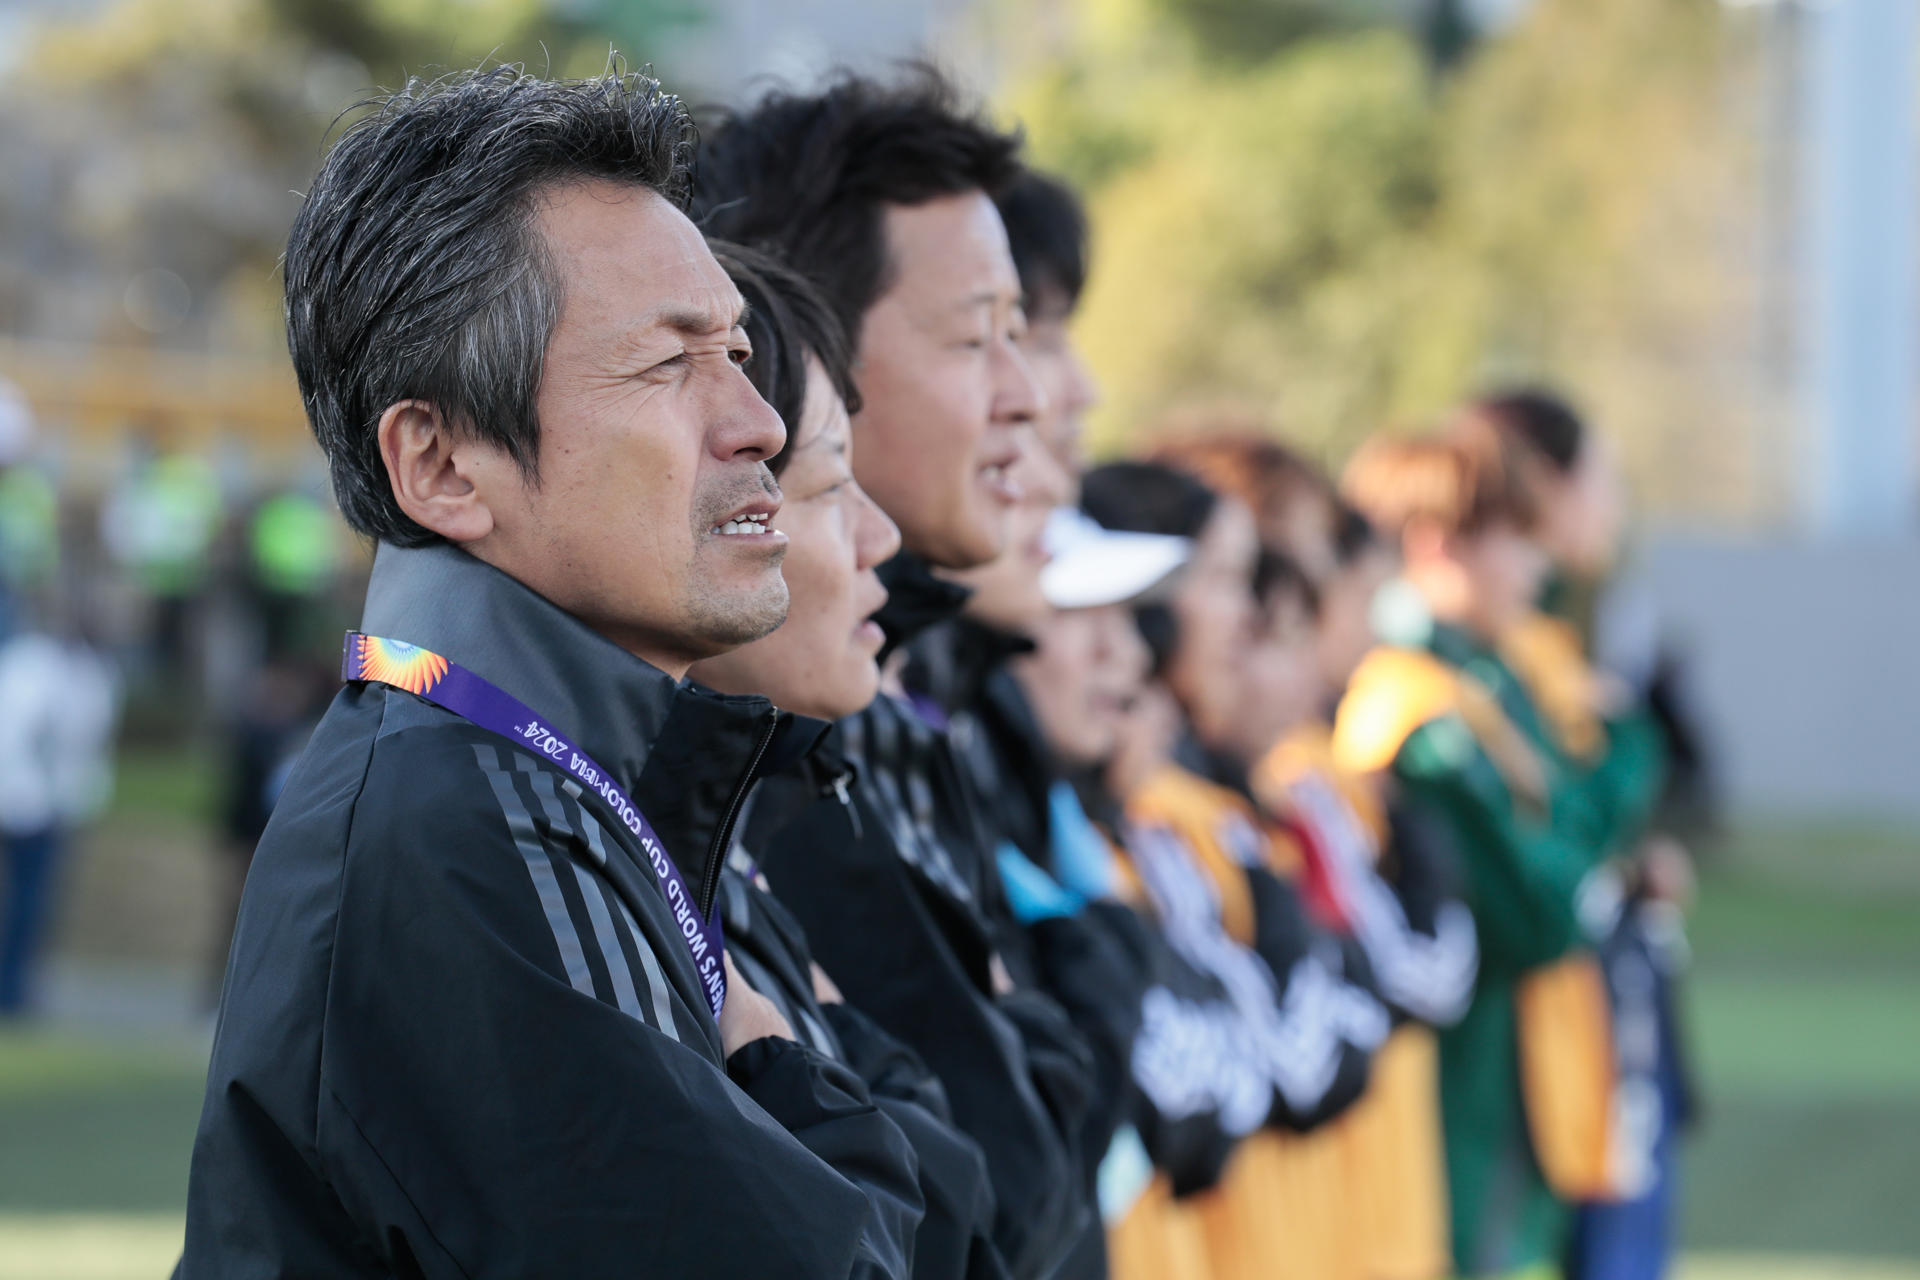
pixel 724 621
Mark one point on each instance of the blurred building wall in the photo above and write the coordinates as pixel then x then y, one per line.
pixel 1862 220
pixel 1803 662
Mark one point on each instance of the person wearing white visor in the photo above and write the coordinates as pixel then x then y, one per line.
pixel 1089 663
pixel 1091 566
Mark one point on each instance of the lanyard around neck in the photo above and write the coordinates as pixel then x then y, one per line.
pixel 474 698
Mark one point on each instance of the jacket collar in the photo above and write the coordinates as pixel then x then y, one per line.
pixel 1216 767
pixel 685 754
pixel 916 599
pixel 954 661
pixel 1406 621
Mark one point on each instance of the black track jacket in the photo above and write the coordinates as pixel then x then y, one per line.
pixel 955 1238
pixel 876 847
pixel 460 1034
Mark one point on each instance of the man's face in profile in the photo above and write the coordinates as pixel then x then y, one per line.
pixel 652 441
pixel 944 388
pixel 1066 384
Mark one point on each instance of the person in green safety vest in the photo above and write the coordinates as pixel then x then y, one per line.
pixel 161 523
pixel 159 526
pixel 293 559
pixel 29 514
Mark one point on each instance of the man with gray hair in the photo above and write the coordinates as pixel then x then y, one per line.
pixel 478 1018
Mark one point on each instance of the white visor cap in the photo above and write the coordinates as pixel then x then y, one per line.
pixel 1093 565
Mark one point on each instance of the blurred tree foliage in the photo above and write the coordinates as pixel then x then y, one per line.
pixel 172 136
pixel 1360 226
pixel 1340 214
pixel 1242 32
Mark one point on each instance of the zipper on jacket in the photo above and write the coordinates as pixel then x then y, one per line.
pixel 723 834
pixel 839 788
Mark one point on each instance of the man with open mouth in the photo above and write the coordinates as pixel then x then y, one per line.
pixel 891 873
pixel 479 1019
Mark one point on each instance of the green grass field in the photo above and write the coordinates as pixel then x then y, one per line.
pixel 1804 1005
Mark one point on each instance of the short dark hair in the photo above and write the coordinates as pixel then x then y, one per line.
pixel 787 322
pixel 1538 419
pixel 414 272
pixel 1353 535
pixel 807 177
pixel 1147 497
pixel 1278 577
pixel 1047 231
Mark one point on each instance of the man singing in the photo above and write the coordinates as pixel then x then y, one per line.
pixel 477 1018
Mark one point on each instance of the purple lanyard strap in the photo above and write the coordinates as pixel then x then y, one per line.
pixel 449 685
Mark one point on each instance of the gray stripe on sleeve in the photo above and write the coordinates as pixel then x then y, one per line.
pixel 624 993
pixel 650 965
pixel 590 828
pixel 534 854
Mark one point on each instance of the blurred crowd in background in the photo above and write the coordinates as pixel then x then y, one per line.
pixel 182 605
pixel 165 520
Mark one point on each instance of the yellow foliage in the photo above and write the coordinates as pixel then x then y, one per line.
pixel 1335 239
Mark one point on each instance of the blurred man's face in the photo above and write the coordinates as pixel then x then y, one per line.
pixel 652 441
pixel 1213 607
pixel 1006 591
pixel 1066 384
pixel 1302 527
pixel 944 386
pixel 1149 730
pixel 1088 667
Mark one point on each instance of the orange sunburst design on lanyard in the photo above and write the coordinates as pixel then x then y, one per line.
pixel 402 665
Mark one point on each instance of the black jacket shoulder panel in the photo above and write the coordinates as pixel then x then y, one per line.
pixel 884 873
pixel 461 1037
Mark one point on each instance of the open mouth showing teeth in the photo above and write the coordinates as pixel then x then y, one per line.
pixel 999 478
pixel 751 522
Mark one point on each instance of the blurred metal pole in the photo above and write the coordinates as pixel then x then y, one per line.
pixel 1862 294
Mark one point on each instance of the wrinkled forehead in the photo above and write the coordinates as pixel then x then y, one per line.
pixel 622 250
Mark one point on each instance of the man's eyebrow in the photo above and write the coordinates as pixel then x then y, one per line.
pixel 694 320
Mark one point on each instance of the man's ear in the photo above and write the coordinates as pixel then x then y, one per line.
pixel 429 466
